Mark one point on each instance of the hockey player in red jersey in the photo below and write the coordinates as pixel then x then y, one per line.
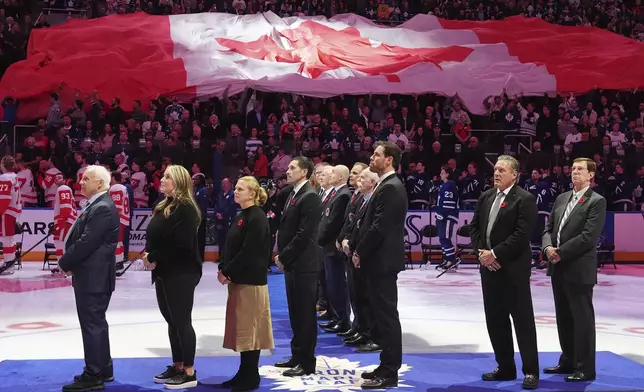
pixel 25 177
pixel 10 208
pixel 64 213
pixel 119 195
pixel 81 199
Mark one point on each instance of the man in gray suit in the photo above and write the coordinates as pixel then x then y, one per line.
pixel 570 244
pixel 89 257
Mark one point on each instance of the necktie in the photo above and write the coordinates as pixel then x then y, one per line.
pixel 353 198
pixel 493 213
pixel 566 214
pixel 291 196
pixel 330 196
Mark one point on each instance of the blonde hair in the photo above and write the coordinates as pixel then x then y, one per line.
pixel 253 186
pixel 182 194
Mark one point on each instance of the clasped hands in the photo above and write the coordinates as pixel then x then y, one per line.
pixel 552 254
pixel 222 278
pixel 487 259
pixel 148 266
pixel 278 263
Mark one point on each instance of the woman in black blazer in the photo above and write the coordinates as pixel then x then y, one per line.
pixel 243 268
pixel 173 256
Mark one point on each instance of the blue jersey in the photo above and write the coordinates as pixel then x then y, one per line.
pixel 418 187
pixel 471 188
pixel 546 196
pixel 447 204
pixel 565 184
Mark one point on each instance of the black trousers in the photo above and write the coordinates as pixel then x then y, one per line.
pixel 363 321
pixel 301 298
pixel 505 296
pixel 175 296
pixel 126 243
pixel 322 297
pixel 336 285
pixel 386 329
pixel 201 238
pixel 91 310
pixel 575 324
pixel 221 241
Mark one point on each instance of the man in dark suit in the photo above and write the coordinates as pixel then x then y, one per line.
pixel 363 313
pixel 90 257
pixel 570 244
pixel 334 260
pixel 298 256
pixel 500 230
pixel 380 251
pixel 349 218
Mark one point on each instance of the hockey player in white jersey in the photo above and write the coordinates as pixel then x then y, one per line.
pixel 64 214
pixel 10 209
pixel 119 195
pixel 27 186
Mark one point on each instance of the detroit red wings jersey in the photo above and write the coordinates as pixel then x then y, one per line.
pixel 139 183
pixel 10 202
pixel 64 212
pixel 81 199
pixel 118 192
pixel 27 189
pixel 121 200
pixel 49 184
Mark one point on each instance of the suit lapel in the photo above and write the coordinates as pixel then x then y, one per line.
pixel 584 199
pixel 295 199
pixel 485 210
pixel 509 199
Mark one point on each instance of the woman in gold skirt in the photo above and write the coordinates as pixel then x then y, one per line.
pixel 243 268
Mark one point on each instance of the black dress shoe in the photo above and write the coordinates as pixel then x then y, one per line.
pixel 351 337
pixel 371 375
pixel 558 370
pixel 359 341
pixel 370 347
pixel 335 328
pixel 579 377
pixel 380 382
pixel 85 383
pixel 498 375
pixel 328 324
pixel 346 334
pixel 289 363
pixel 531 381
pixel 298 371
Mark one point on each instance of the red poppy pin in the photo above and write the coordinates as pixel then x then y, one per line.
pixel 292 202
pixel 581 200
pixel 503 205
pixel 240 223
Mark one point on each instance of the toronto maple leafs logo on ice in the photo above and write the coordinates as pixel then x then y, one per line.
pixel 339 374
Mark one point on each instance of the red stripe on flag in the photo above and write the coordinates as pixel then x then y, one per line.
pixel 124 56
pixel 580 58
pixel 393 78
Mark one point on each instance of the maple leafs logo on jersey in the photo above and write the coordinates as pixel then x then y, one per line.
pixel 331 374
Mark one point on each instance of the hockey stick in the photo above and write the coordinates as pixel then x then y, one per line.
pixel 11 263
pixel 452 266
pixel 120 273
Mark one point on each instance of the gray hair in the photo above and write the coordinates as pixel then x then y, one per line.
pixel 512 161
pixel 370 175
pixel 100 173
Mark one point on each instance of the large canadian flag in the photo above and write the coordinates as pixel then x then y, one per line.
pixel 200 55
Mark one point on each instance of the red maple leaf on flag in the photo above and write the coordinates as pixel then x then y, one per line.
pixel 318 48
